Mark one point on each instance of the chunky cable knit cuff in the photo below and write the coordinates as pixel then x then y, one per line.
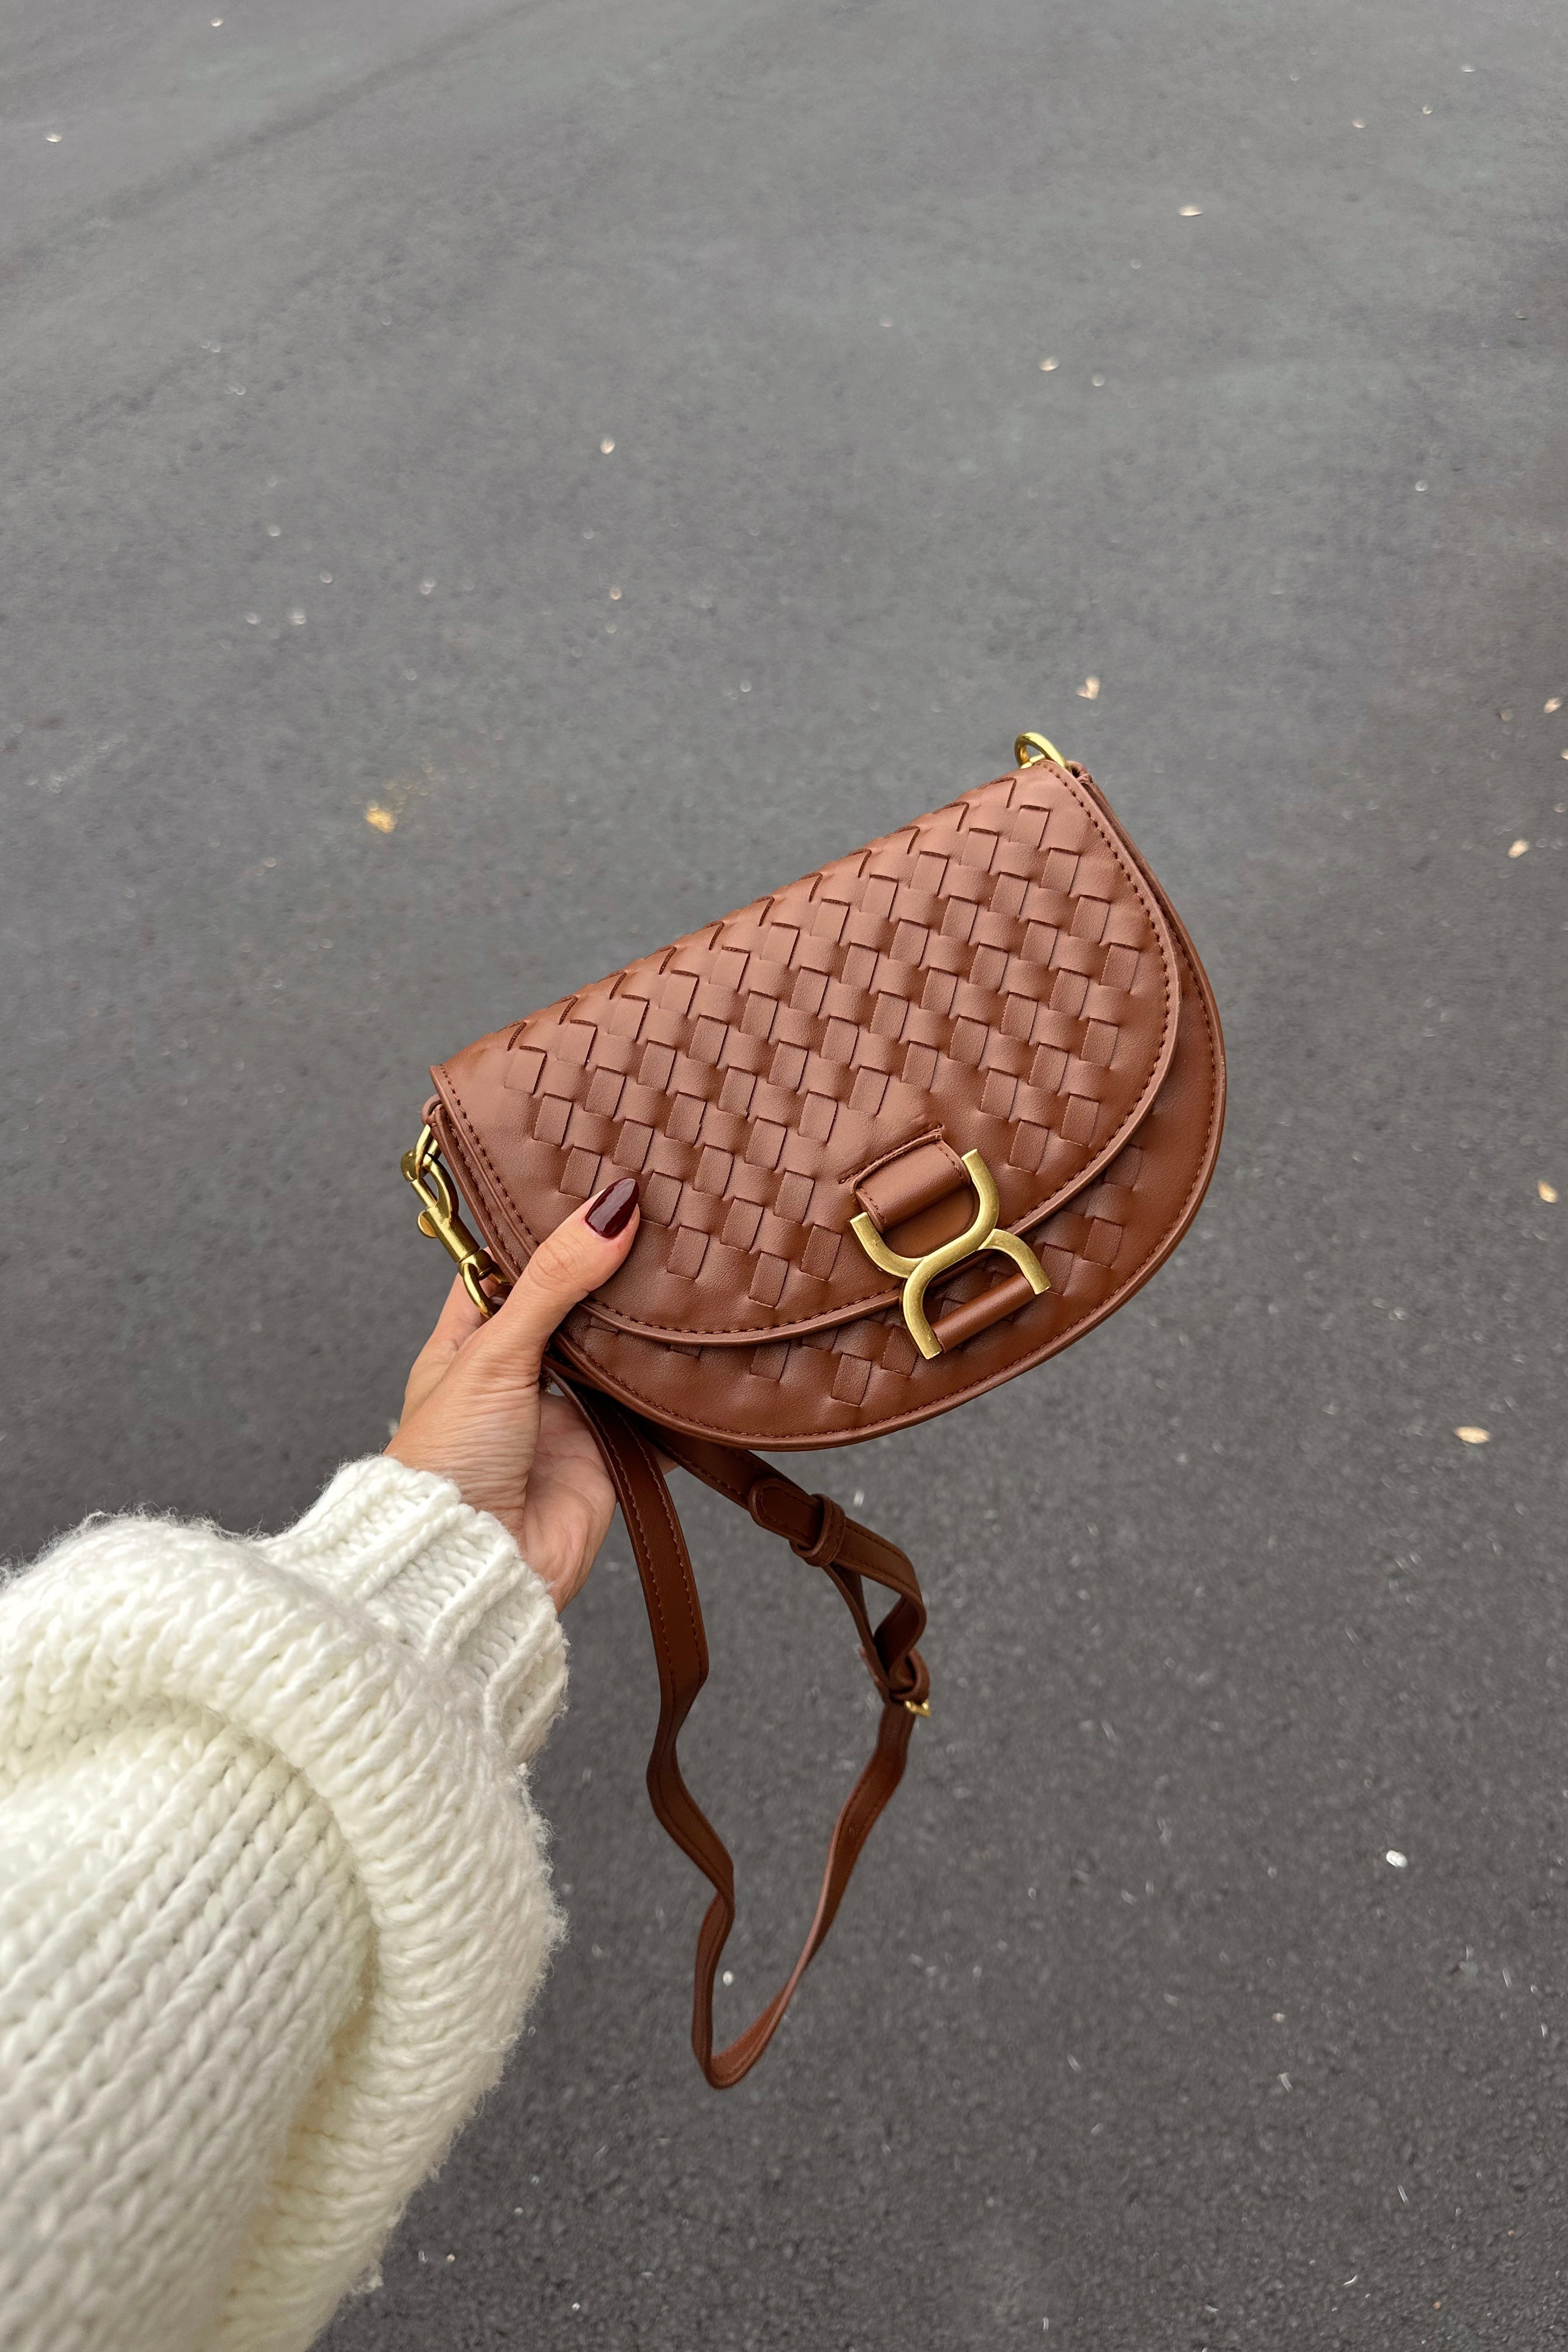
pixel 444 1578
pixel 273 1903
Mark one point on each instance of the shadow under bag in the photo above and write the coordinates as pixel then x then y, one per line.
pixel 903 1130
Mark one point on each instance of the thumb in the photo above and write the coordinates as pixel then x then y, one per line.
pixel 581 1252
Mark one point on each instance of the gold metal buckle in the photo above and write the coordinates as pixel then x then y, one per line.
pixel 1030 749
pixel 918 1273
pixel 438 1217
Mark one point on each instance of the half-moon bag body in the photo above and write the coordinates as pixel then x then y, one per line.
pixel 903 1130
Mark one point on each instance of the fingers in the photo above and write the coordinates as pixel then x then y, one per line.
pixel 458 1320
pixel 576 1259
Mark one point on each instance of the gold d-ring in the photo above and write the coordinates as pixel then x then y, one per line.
pixel 1030 749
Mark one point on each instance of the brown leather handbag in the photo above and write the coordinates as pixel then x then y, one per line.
pixel 903 1130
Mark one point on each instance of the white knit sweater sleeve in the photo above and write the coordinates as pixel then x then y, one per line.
pixel 273 1901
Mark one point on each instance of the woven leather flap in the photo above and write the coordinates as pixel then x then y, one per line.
pixel 997 977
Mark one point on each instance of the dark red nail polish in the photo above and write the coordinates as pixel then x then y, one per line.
pixel 611 1213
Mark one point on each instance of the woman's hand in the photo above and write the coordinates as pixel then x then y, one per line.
pixel 474 1412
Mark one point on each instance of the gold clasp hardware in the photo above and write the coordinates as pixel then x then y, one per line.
pixel 438 1217
pixel 1029 750
pixel 918 1273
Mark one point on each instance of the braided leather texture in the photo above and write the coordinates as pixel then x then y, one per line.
pixel 1006 972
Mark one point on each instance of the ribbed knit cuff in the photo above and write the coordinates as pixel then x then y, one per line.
pixel 445 1579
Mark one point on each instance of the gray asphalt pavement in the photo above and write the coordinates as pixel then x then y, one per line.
pixel 319 324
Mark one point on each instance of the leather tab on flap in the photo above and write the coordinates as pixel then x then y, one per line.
pixel 914 1177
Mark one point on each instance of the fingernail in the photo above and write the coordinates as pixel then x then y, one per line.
pixel 611 1211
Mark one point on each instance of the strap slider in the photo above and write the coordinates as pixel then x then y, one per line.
pixel 825 1545
pixel 777 1506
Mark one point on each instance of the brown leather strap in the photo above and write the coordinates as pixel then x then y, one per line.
pixel 817 1530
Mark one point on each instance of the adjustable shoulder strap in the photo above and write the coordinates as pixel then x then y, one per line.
pixel 817 1530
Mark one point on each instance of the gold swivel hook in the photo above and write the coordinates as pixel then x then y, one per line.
pixel 439 1218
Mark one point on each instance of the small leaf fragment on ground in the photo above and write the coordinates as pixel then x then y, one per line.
pixel 1090 689
pixel 381 818
pixel 1547 1191
pixel 1471 1436
pixel 1517 848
